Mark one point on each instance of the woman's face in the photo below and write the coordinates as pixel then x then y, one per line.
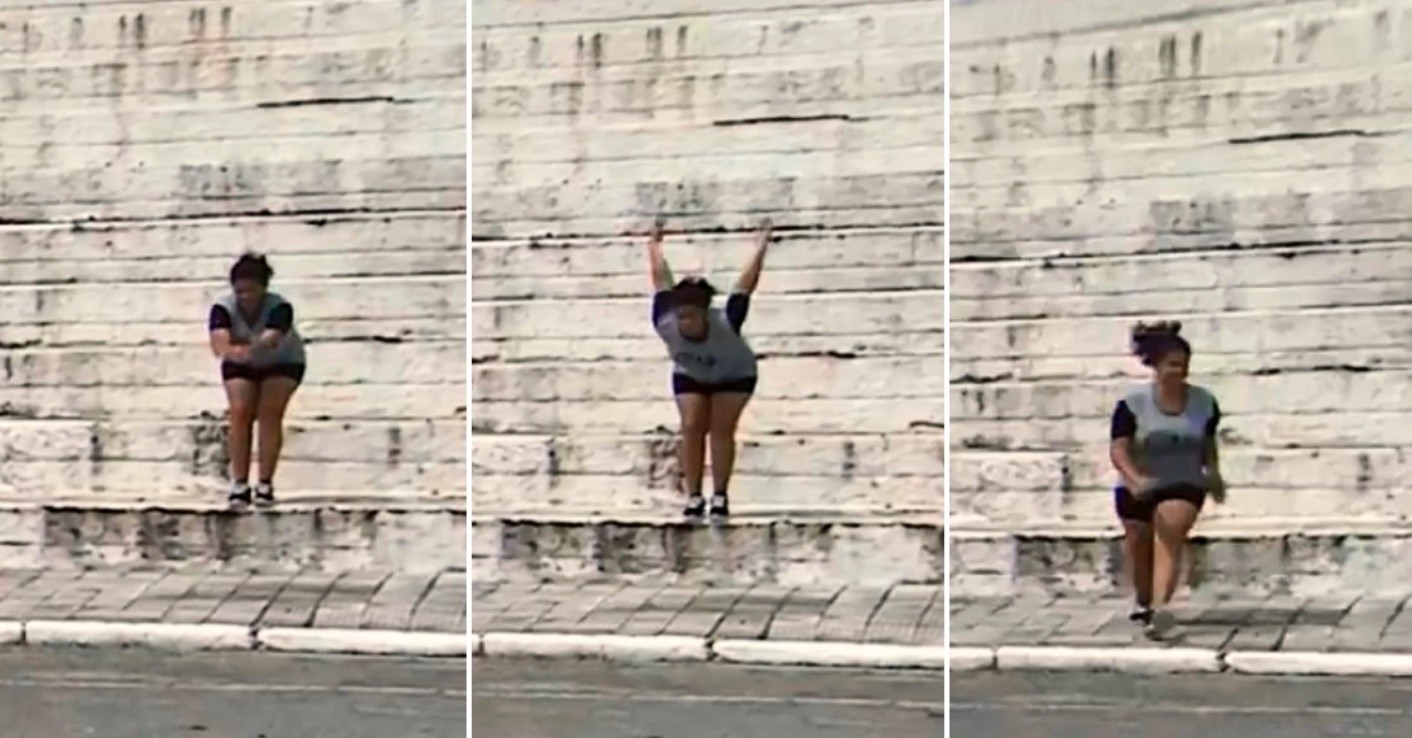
pixel 1172 368
pixel 249 293
pixel 691 322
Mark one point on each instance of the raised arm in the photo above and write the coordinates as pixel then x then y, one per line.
pixel 750 275
pixel 657 260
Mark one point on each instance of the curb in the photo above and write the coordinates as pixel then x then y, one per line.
pixel 631 649
pixel 647 649
pixel 168 636
pixel 1310 663
pixel 827 653
pixel 1122 660
pixel 192 637
pixel 363 642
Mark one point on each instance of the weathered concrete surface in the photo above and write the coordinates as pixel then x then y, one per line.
pixel 593 118
pixel 1238 167
pixel 145 146
pixel 109 530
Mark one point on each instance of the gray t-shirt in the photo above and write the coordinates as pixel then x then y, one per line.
pixel 1169 449
pixel 723 356
pixel 290 349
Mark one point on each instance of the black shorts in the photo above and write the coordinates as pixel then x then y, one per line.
pixel 684 385
pixel 1142 509
pixel 231 370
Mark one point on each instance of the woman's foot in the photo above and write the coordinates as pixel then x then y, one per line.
pixel 720 507
pixel 264 494
pixel 239 493
pixel 695 506
pixel 1160 624
pixel 1141 614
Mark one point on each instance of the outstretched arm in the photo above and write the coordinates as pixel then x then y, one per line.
pixel 657 260
pixel 750 275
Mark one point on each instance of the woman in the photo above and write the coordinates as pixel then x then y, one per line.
pixel 1164 449
pixel 262 363
pixel 714 369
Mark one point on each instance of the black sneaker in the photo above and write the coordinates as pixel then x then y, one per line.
pixel 239 494
pixel 264 494
pixel 1141 614
pixel 695 506
pixel 720 507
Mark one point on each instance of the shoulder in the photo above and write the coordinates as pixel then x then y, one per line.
pixel 1206 398
pixel 1135 397
pixel 275 299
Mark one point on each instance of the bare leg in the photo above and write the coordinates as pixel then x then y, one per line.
pixel 242 396
pixel 1172 523
pixel 274 399
pixel 1137 539
pixel 695 413
pixel 725 417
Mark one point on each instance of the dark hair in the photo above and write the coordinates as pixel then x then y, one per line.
pixel 693 291
pixel 1152 341
pixel 252 266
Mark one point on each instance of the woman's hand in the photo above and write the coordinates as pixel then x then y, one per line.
pixel 1140 485
pixel 238 353
pixel 762 237
pixel 1216 487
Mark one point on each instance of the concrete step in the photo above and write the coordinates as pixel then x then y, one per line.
pixel 1276 557
pixel 871 377
pixel 336 531
pixel 159 242
pixel 787 547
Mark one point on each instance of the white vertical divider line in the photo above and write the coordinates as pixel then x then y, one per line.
pixel 470 409
pixel 946 334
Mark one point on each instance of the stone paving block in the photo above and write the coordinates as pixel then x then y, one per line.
pixel 206 598
pixel 700 618
pixel 659 611
pixel 1300 637
pixel 847 617
pixel 13 580
pixel 294 605
pixel 798 619
pixel 444 606
pixel 157 600
pixel 750 616
pixel 391 606
pixel 23 601
pixel 614 612
pixel 69 598
pixel 930 630
pixel 568 611
pixel 1256 637
pixel 348 598
pixel 974 612
pixel 117 595
pixel 897 618
pixel 247 603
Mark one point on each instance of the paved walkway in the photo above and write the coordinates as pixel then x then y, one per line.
pixel 1326 623
pixel 361 599
pixel 904 614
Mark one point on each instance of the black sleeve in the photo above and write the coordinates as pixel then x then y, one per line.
pixel 661 302
pixel 281 318
pixel 1124 423
pixel 219 319
pixel 1214 421
pixel 737 307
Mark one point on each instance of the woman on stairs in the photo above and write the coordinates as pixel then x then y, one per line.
pixel 262 363
pixel 714 369
pixel 1165 451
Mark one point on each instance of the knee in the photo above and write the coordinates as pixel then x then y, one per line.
pixel 723 431
pixel 695 427
pixel 242 414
